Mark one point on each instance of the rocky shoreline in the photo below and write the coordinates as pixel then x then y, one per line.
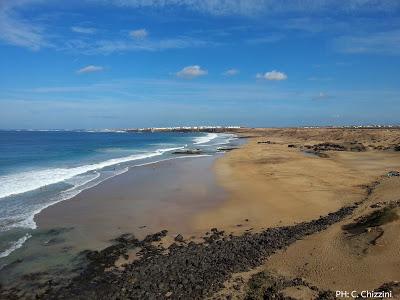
pixel 183 270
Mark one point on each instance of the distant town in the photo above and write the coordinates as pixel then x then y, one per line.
pixel 206 128
pixel 233 128
pixel 185 129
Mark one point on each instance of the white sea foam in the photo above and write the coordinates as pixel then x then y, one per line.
pixel 25 217
pixel 15 245
pixel 28 219
pixel 227 138
pixel 205 139
pixel 23 182
pixel 80 180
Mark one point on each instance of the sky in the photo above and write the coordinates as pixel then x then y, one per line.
pixel 152 63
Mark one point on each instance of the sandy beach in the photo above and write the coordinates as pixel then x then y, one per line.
pixel 272 185
pixel 144 200
pixel 307 211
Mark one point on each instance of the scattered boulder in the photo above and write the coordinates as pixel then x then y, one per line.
pixel 179 238
pixel 393 174
pixel 224 149
pixel 265 142
pixel 188 151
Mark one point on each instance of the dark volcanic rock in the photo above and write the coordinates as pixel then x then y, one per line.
pixel 265 142
pixel 188 151
pixel 263 285
pixel 353 146
pixel 225 149
pixel 327 147
pixel 191 271
pixel 393 287
pixel 179 238
pixel 393 174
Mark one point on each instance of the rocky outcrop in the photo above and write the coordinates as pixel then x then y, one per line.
pixel 188 151
pixel 353 146
pixel 393 174
pixel 226 149
pixel 266 142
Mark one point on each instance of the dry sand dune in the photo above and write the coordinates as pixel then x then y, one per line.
pixel 272 184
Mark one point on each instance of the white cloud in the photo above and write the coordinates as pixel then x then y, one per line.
pixel 214 7
pixel 379 43
pixel 191 72
pixel 273 75
pixel 30 30
pixel 90 69
pixel 231 72
pixel 106 47
pixel 17 31
pixel 84 30
pixel 139 33
pixel 257 7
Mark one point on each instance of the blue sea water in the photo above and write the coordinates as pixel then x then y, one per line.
pixel 41 168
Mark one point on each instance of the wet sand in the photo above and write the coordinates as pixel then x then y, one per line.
pixel 144 200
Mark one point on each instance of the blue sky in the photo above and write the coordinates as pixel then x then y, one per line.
pixel 140 63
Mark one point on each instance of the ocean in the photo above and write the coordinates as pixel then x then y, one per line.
pixel 41 168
